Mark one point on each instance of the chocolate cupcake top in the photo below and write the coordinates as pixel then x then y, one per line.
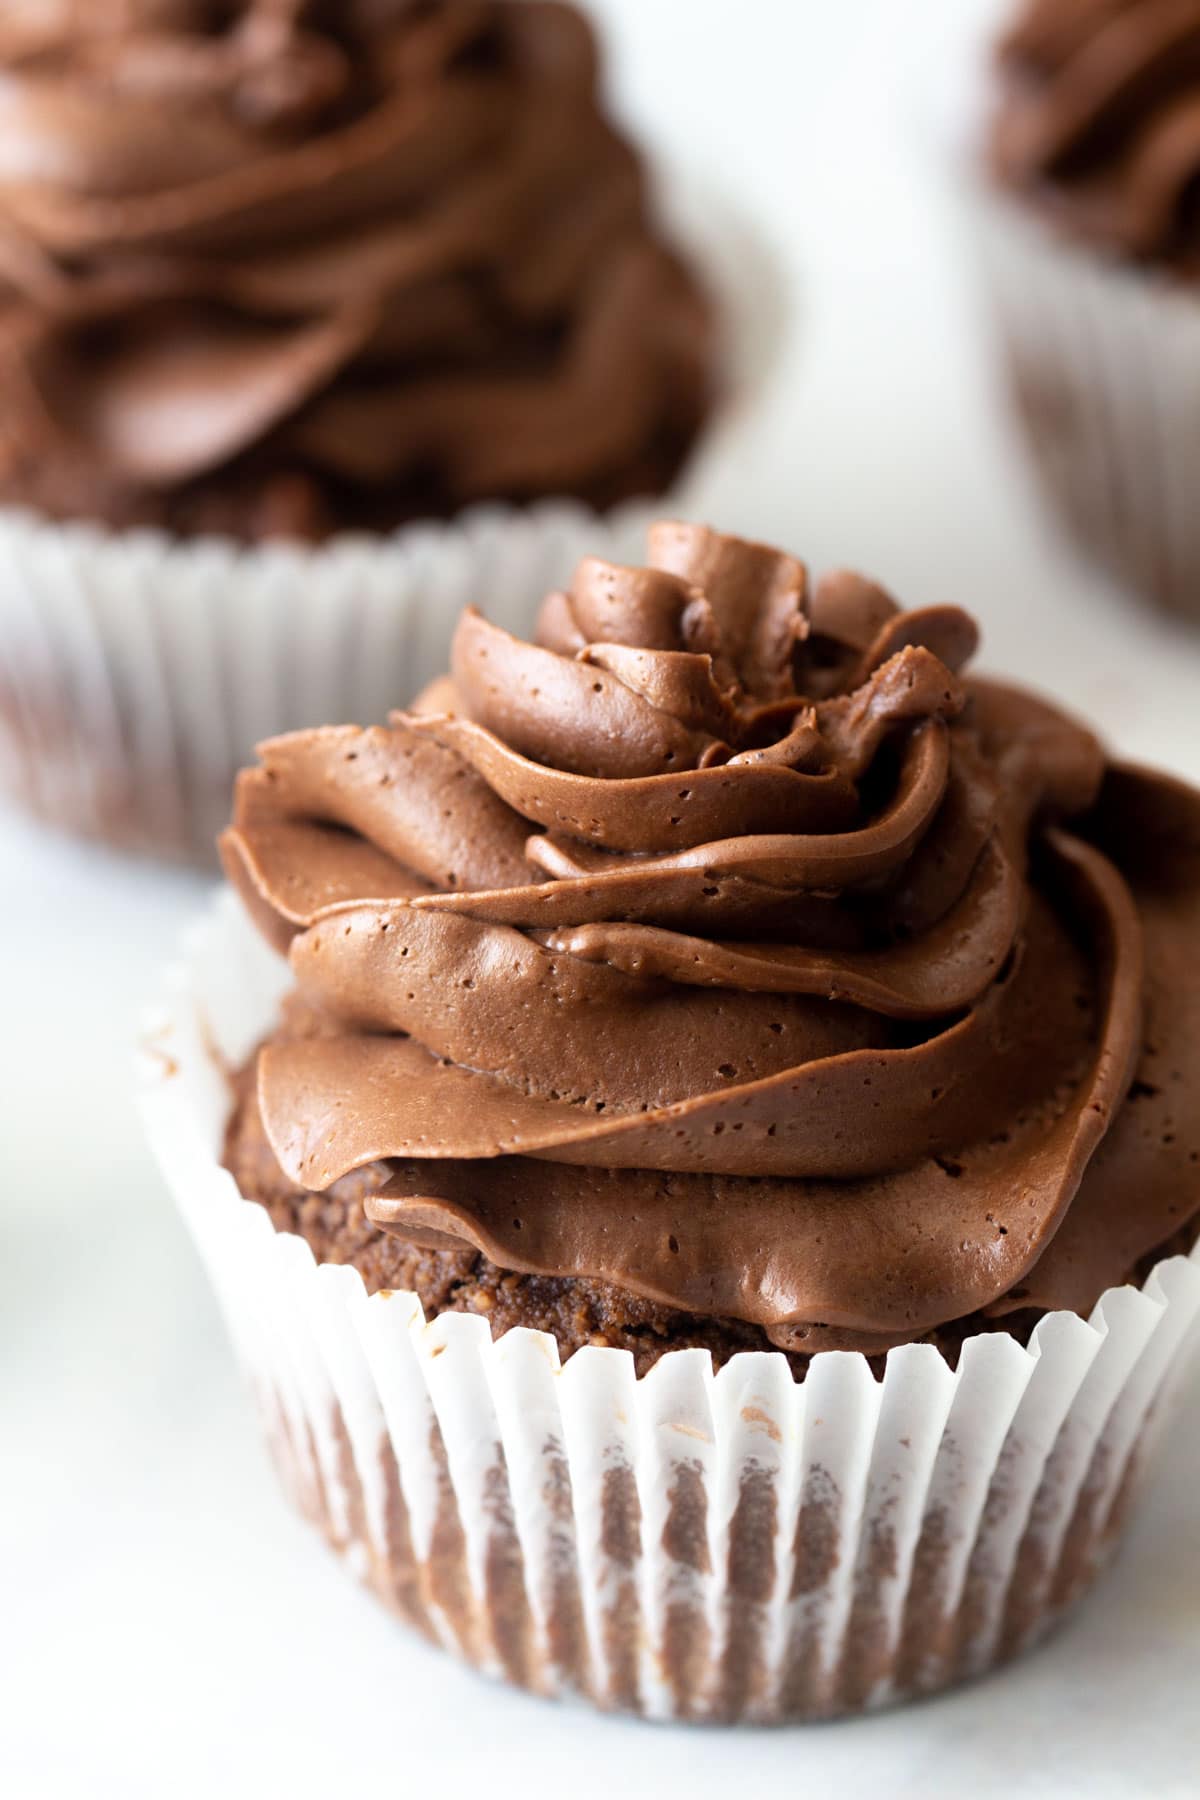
pixel 285 265
pixel 1099 121
pixel 729 944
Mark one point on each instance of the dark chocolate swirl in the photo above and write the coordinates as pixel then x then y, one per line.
pixel 729 945
pixel 1099 120
pixel 277 266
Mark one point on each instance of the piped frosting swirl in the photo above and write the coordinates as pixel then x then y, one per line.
pixel 730 944
pixel 1098 120
pixel 277 266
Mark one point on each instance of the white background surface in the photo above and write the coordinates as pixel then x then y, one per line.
pixel 166 1627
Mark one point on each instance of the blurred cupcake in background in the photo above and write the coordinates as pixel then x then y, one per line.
pixel 272 273
pixel 1090 229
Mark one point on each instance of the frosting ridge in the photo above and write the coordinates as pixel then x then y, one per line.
pixel 731 943
pixel 1098 119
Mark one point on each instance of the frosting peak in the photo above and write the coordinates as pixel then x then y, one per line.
pixel 731 943
pixel 288 264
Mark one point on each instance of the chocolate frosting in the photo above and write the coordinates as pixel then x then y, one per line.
pixel 728 943
pixel 1099 119
pixel 284 264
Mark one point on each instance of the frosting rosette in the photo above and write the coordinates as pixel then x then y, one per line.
pixel 1099 118
pixel 277 266
pixel 730 944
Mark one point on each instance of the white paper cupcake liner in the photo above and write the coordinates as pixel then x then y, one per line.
pixel 1104 365
pixel 137 671
pixel 738 1546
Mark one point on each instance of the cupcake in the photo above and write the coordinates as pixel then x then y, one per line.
pixel 273 274
pixel 700 1142
pixel 1091 243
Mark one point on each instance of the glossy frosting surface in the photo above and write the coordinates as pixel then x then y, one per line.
pixel 1098 119
pixel 731 943
pixel 278 265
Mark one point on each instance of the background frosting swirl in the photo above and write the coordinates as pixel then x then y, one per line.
pixel 1099 119
pixel 283 265
pixel 728 944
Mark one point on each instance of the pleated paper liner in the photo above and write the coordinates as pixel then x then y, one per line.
pixel 733 1547
pixel 138 671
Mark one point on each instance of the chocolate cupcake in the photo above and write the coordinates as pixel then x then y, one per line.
pixel 278 273
pixel 1091 242
pixel 709 1214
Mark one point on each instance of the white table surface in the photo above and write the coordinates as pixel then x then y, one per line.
pixel 166 1627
